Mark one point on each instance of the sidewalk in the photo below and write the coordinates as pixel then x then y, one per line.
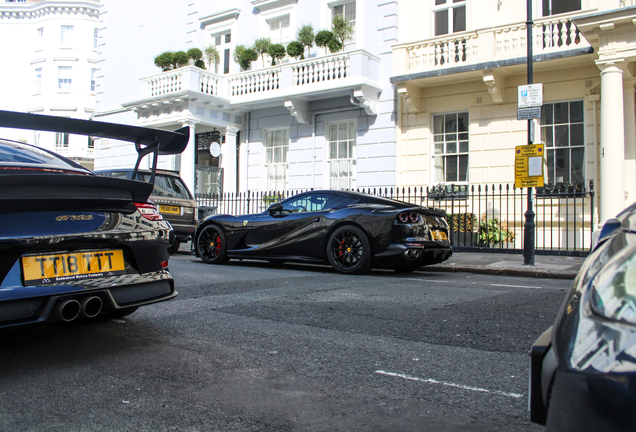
pixel 545 266
pixel 501 264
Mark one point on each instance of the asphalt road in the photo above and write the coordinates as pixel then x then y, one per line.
pixel 252 347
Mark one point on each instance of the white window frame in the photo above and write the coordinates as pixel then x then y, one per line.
pixel 342 155
pixel 450 6
pixel 221 36
pixel 279 167
pixel 543 13
pixel 445 140
pixel 551 149
pixel 281 38
pixel 95 38
pixel 64 78
pixel 66 36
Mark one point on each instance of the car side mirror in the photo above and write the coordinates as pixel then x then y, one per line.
pixel 275 208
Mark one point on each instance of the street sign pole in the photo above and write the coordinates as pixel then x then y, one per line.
pixel 529 226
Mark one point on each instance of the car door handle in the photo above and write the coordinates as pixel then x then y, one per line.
pixel 317 219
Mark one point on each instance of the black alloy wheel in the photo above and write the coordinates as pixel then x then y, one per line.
pixel 349 250
pixel 211 245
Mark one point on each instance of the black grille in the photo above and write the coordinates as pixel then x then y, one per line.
pixel 16 310
pixel 137 293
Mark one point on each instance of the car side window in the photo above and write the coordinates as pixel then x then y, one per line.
pixel 306 203
pixel 338 202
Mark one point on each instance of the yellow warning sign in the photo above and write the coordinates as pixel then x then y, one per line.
pixel 530 166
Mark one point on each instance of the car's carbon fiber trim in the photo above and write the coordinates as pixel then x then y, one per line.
pixel 137 293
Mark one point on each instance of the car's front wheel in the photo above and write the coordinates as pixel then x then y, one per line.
pixel 211 245
pixel 349 250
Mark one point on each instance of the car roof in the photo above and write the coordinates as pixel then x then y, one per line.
pixel 364 198
pixel 130 170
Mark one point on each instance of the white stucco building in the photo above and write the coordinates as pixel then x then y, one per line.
pixel 326 121
pixel 50 50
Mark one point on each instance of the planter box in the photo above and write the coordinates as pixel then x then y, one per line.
pixel 464 239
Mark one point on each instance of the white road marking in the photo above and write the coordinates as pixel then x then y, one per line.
pixel 433 381
pixel 495 285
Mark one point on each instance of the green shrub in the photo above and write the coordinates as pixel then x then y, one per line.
pixel 334 45
pixel 211 55
pixel 295 49
pixel 261 46
pixel 180 59
pixel 341 29
pixel 323 37
pixel 244 56
pixel 195 54
pixel 276 52
pixel 165 60
pixel 492 231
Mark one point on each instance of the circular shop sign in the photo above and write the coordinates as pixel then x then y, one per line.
pixel 215 149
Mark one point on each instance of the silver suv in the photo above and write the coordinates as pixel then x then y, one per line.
pixel 172 198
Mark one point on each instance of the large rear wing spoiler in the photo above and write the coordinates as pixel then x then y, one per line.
pixel 155 141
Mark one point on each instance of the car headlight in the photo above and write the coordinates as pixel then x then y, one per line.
pixel 613 289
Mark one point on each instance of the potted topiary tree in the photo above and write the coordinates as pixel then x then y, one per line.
pixel 195 54
pixel 295 49
pixel 341 29
pixel 305 36
pixel 244 56
pixel 276 52
pixel 211 55
pixel 164 61
pixel 180 59
pixel 261 46
pixel 323 37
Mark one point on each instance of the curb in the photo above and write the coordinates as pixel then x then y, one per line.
pixel 521 272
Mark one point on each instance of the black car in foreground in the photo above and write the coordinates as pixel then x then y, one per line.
pixel 74 245
pixel 351 231
pixel 583 369
pixel 172 197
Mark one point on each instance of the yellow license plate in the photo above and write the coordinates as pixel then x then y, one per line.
pixel 169 209
pixel 439 235
pixel 44 269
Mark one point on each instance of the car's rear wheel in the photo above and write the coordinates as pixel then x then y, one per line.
pixel 211 245
pixel 349 250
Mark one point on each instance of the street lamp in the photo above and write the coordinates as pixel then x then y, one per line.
pixel 529 226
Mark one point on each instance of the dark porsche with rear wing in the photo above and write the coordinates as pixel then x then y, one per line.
pixel 351 231
pixel 74 245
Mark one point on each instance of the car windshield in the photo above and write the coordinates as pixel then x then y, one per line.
pixel 17 153
pixel 165 186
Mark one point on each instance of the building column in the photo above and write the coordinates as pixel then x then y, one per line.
pixel 630 139
pixel 612 182
pixel 228 160
pixel 186 170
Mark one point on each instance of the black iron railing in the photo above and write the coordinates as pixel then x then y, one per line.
pixel 482 217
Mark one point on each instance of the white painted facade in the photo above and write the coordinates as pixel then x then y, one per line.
pixel 297 99
pixel 51 47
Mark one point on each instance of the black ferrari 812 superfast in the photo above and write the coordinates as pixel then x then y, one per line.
pixel 351 231
pixel 73 245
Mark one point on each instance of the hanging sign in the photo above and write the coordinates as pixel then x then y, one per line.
pixel 215 149
pixel 530 166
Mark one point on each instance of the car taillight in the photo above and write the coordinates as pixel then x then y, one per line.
pixel 164 264
pixel 406 217
pixel 149 211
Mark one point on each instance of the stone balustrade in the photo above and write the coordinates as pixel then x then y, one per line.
pixel 550 34
pixel 296 78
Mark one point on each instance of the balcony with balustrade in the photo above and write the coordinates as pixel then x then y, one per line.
pixel 354 74
pixel 471 52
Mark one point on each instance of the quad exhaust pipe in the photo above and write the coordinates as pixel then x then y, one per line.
pixel 70 309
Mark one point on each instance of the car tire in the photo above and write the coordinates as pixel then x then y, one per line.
pixel 211 245
pixel 175 247
pixel 349 250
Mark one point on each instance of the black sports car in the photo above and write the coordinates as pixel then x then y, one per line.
pixel 73 244
pixel 351 231
pixel 583 369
